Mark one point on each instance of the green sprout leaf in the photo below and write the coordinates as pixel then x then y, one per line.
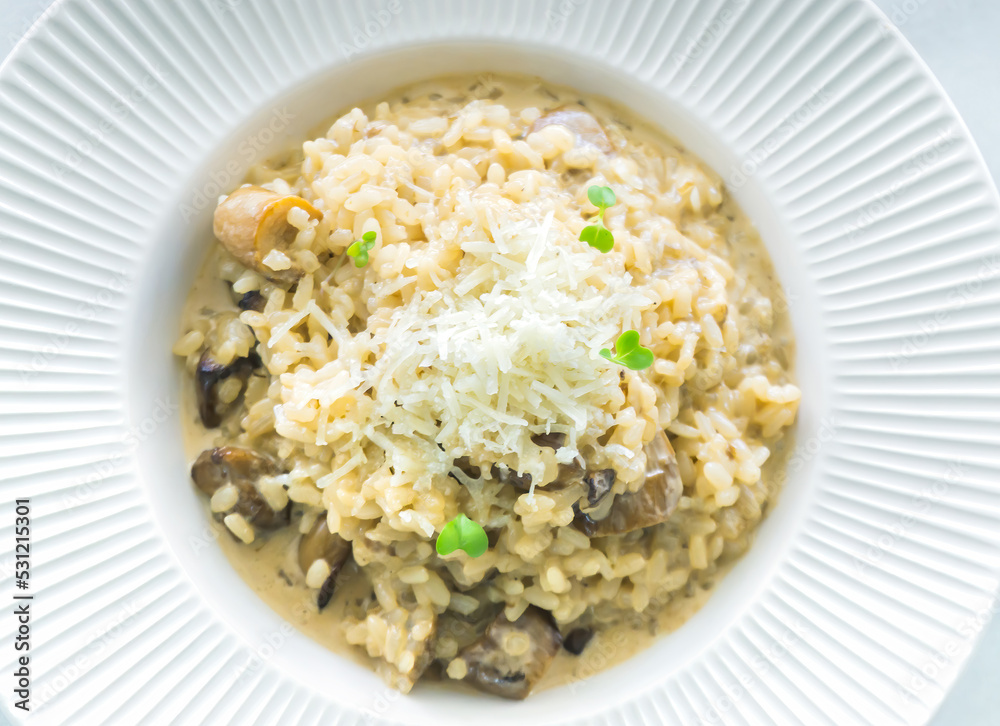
pixel 597 235
pixel 360 248
pixel 462 533
pixel 627 342
pixel 604 240
pixel 596 196
pixel 629 353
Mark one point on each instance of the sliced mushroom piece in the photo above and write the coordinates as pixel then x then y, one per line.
pixel 464 464
pixel 567 475
pixel 554 440
pixel 464 629
pixel 492 668
pixel 215 468
pixel 506 475
pixel 580 122
pixel 253 221
pixel 599 483
pixel 252 300
pixel 577 639
pixel 653 503
pixel 207 377
pixel 319 543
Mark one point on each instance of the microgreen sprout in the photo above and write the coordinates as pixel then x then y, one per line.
pixel 359 249
pixel 596 234
pixel 629 353
pixel 462 533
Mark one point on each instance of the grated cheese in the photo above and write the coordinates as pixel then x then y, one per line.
pixel 504 349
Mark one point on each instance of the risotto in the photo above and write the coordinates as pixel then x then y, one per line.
pixel 484 377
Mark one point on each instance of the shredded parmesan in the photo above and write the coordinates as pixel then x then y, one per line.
pixel 504 349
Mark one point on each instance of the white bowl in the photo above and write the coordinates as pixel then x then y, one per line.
pixel 125 121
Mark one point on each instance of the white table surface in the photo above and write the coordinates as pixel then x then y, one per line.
pixel 960 41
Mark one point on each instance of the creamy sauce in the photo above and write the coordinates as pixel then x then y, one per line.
pixel 270 567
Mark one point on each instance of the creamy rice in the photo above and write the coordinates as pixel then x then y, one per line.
pixel 472 331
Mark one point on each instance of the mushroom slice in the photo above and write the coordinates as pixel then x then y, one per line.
pixel 253 221
pixel 252 300
pixel 554 440
pixel 567 475
pixel 578 120
pixel 506 475
pixel 492 668
pixel 652 504
pixel 243 468
pixel 319 543
pixel 464 464
pixel 209 374
pixel 577 639
pixel 599 483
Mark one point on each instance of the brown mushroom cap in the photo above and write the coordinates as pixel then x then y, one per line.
pixel 651 504
pixel 209 374
pixel 252 221
pixel 505 475
pixel 319 543
pixel 599 483
pixel 577 639
pixel 252 300
pixel 215 468
pixel 553 440
pixel 493 669
pixel 566 475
